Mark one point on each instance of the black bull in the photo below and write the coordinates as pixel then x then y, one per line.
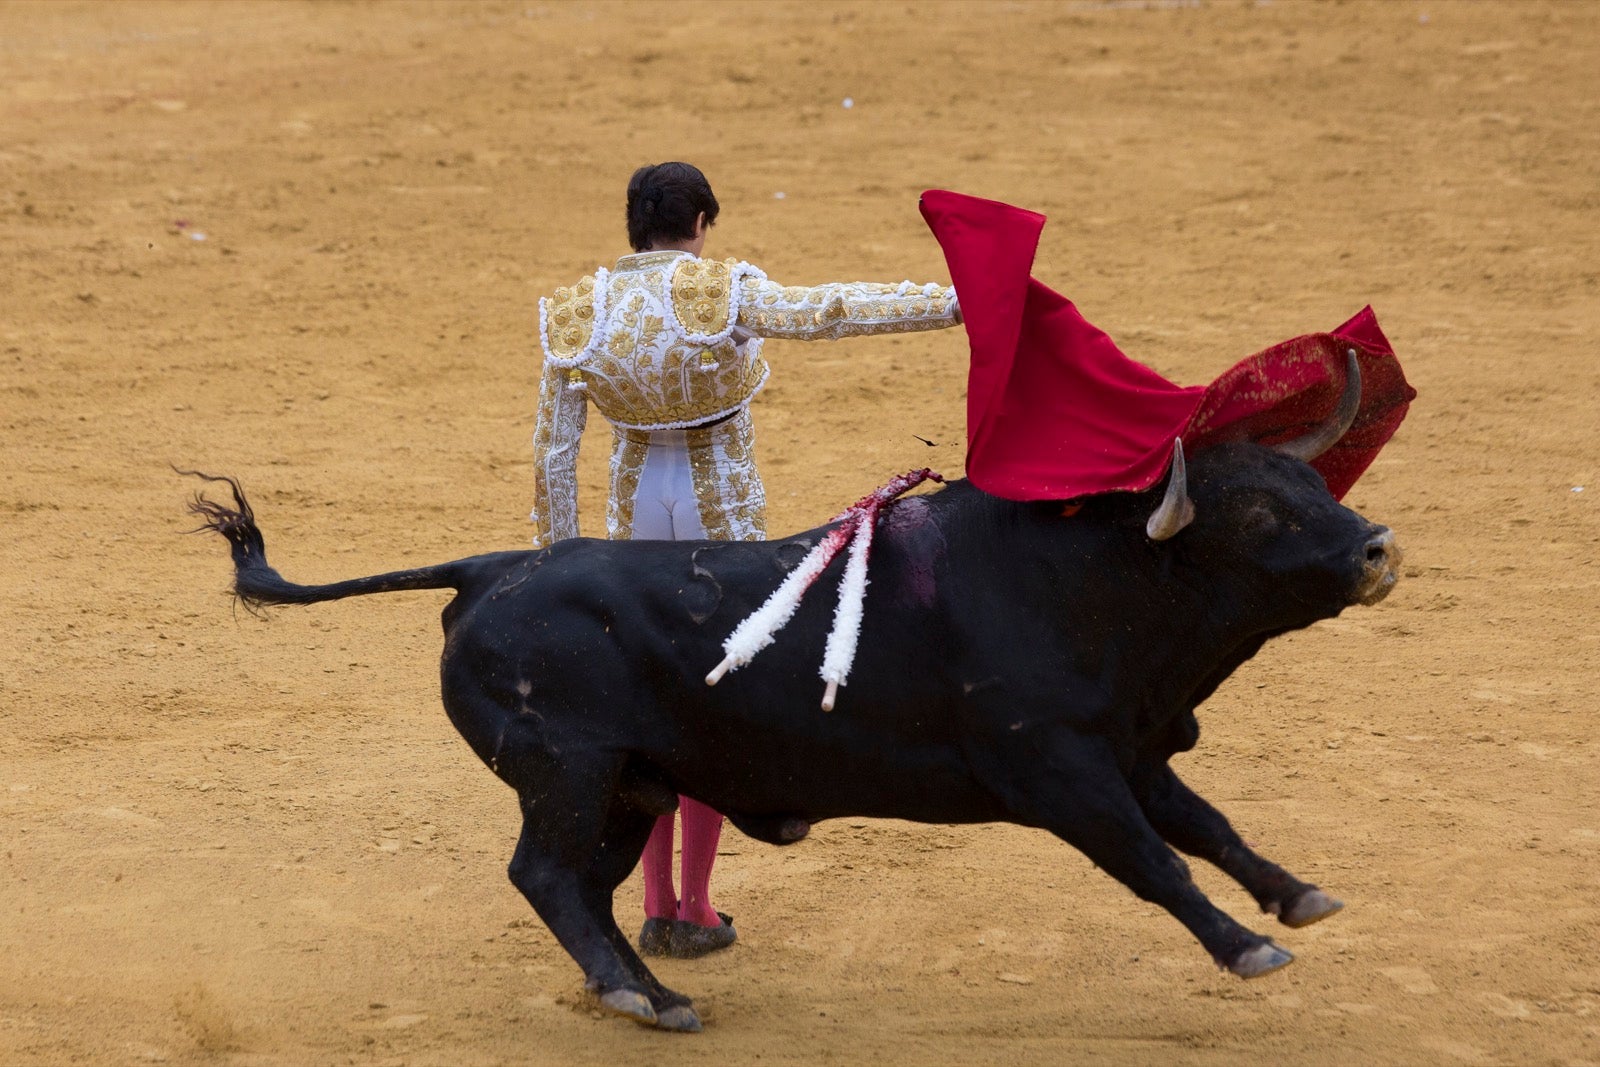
pixel 1016 665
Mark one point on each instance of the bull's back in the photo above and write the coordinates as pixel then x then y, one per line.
pixel 604 646
pixel 589 625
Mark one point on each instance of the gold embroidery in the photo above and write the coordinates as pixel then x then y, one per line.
pixel 701 295
pixel 641 371
pixel 629 392
pixel 640 260
pixel 557 432
pixel 653 415
pixel 627 312
pixel 729 496
pixel 569 319
pixel 627 464
pixel 714 515
pixel 728 491
pixel 543 430
pixel 841 310
pixel 666 382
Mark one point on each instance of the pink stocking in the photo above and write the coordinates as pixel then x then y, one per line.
pixel 702 828
pixel 660 901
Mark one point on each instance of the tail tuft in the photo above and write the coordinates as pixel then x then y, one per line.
pixel 256 584
pixel 238 525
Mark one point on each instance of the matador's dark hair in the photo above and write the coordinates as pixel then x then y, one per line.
pixel 664 200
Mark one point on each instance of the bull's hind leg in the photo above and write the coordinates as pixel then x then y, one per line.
pixel 626 831
pixel 1191 825
pixel 577 846
pixel 1084 800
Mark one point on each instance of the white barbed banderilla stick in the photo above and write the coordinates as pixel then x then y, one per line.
pixel 758 630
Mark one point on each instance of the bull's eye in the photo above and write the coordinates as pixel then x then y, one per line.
pixel 1258 521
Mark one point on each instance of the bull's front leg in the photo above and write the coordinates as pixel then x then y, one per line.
pixel 1081 796
pixel 1191 825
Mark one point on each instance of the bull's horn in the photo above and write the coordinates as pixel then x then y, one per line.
pixel 1176 510
pixel 1318 441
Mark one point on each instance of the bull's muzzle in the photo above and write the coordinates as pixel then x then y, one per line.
pixel 1380 568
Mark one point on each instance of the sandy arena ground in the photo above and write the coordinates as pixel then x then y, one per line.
pixel 243 842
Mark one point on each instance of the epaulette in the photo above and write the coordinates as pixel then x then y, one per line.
pixel 705 298
pixel 571 320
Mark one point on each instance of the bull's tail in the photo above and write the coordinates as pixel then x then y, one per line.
pixel 257 584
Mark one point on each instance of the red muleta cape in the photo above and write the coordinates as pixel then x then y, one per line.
pixel 1056 411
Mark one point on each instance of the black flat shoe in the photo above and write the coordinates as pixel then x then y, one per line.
pixel 655 938
pixel 691 940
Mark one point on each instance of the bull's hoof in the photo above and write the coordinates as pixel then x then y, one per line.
pixel 633 1004
pixel 1262 959
pixel 1311 906
pixel 690 941
pixel 792 830
pixel 680 1018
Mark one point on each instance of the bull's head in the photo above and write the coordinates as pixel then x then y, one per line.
pixel 1272 505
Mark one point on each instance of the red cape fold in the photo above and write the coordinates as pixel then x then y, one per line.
pixel 1056 411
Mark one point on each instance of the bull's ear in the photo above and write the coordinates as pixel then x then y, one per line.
pixel 1176 510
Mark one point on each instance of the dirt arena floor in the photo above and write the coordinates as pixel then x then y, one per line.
pixel 302 244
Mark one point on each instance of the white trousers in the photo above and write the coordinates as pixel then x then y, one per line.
pixel 681 485
pixel 665 507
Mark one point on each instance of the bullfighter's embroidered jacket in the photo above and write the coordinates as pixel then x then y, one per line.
pixel 667 341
